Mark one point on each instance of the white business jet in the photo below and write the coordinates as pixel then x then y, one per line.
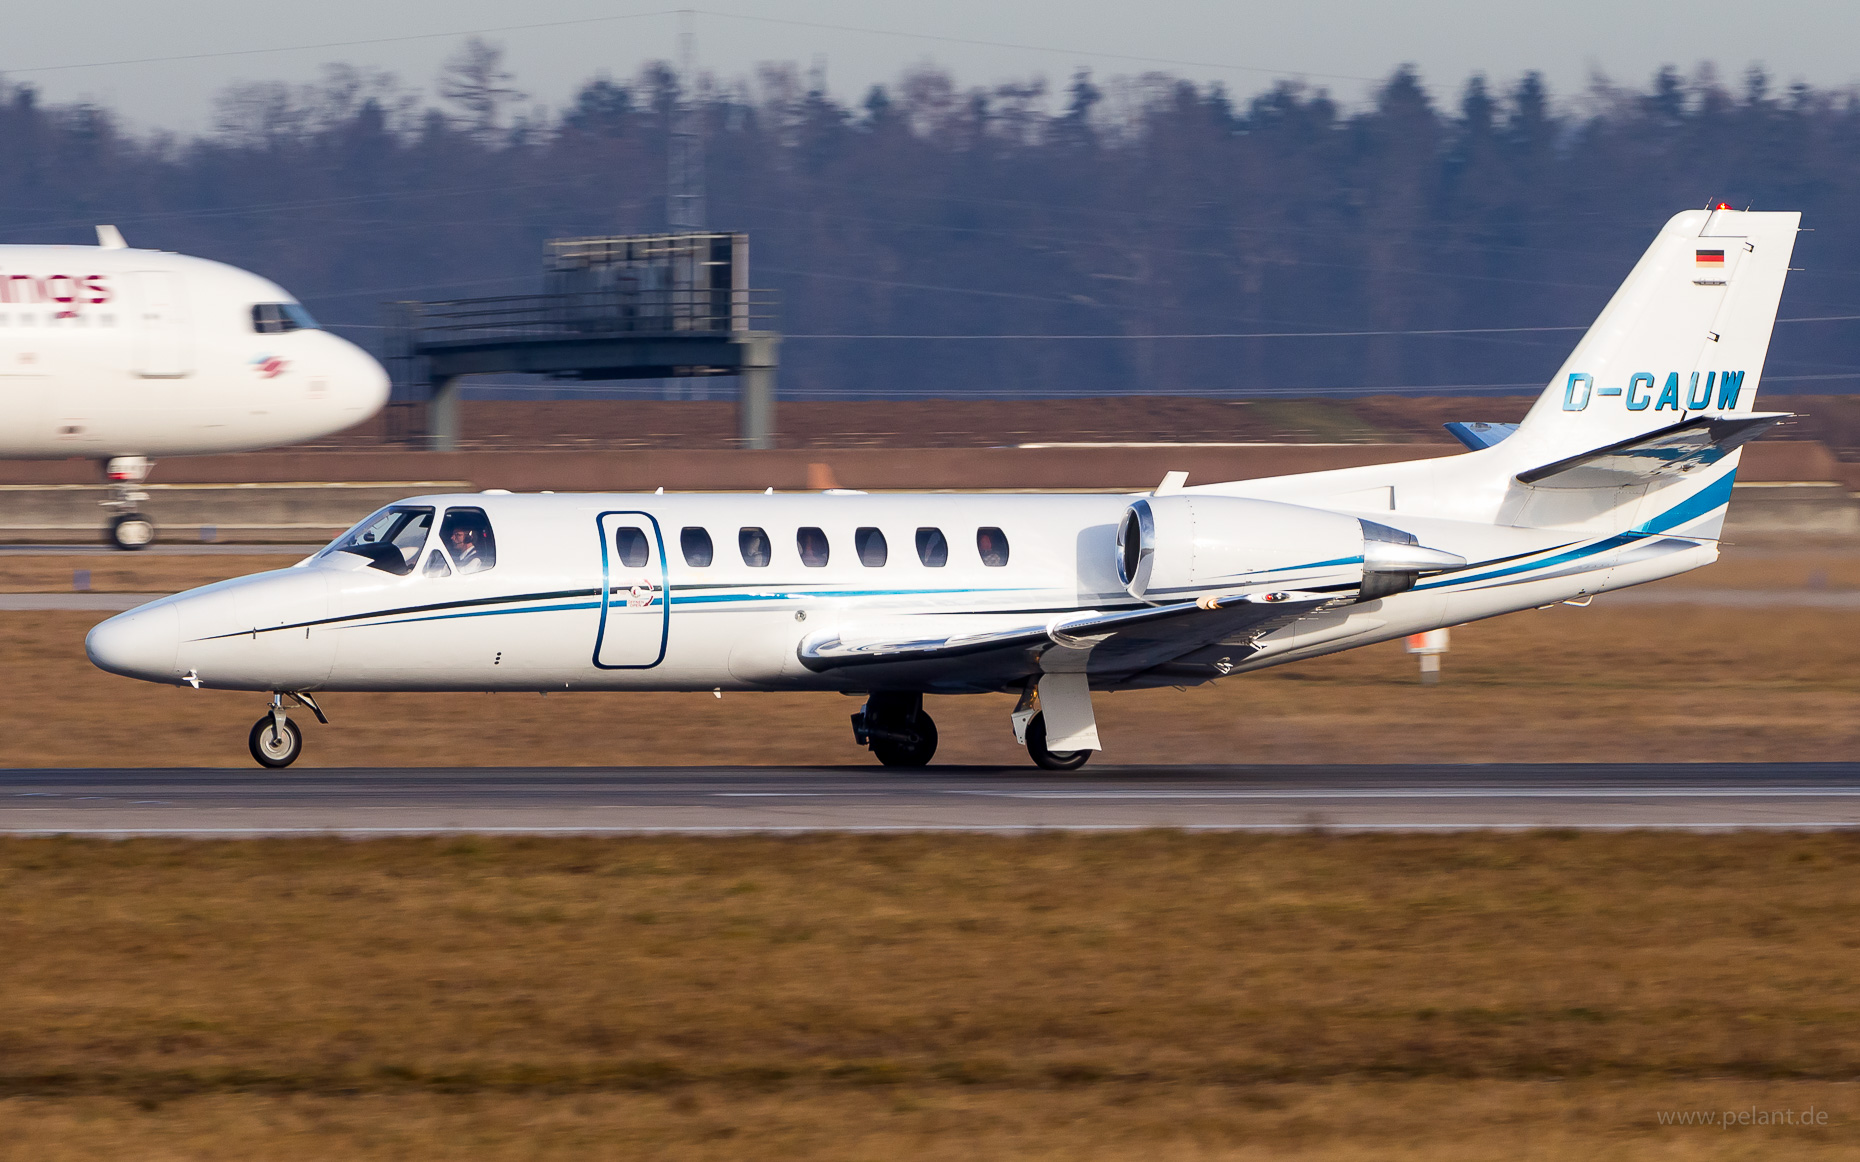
pixel 119 355
pixel 1619 475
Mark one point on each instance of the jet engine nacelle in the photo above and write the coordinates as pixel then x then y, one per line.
pixel 1176 548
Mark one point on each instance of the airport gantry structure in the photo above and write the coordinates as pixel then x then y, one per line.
pixel 647 306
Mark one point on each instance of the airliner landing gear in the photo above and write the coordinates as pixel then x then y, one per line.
pixel 895 726
pixel 129 529
pixel 275 740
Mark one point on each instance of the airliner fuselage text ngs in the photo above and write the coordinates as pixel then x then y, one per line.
pixel 1620 474
pixel 120 355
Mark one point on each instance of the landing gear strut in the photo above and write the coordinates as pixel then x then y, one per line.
pixel 275 740
pixel 894 725
pixel 128 529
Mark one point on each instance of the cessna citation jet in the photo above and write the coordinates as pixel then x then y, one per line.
pixel 1619 475
pixel 119 355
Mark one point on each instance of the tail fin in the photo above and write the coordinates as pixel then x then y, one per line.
pixel 1685 336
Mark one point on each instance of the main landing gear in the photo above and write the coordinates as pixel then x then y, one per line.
pixel 895 726
pixel 128 529
pixel 1071 696
pixel 275 740
pixel 1052 760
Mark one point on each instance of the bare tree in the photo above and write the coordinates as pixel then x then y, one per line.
pixel 474 79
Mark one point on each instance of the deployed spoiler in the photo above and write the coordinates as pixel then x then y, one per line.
pixel 1670 451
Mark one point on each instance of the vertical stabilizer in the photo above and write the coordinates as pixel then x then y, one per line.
pixel 1685 336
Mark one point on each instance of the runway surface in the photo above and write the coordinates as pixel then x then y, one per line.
pixel 773 799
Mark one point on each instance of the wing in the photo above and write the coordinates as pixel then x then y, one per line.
pixel 956 650
pixel 1669 452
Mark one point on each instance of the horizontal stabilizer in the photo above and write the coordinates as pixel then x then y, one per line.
pixel 1669 452
pixel 1478 434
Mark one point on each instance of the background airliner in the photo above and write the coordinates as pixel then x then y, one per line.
pixel 1619 475
pixel 120 355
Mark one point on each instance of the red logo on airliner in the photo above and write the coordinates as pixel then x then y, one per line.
pixel 269 366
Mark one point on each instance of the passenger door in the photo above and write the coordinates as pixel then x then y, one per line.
pixel 161 339
pixel 635 602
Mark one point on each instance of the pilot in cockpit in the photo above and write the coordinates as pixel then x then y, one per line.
pixel 467 536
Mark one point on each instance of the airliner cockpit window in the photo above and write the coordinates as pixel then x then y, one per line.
pixel 466 534
pixel 277 318
pixel 391 539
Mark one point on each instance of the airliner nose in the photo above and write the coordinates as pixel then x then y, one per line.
pixel 365 383
pixel 143 643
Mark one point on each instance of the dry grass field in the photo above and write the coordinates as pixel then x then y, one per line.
pixel 1137 996
pixel 134 572
pixel 1617 683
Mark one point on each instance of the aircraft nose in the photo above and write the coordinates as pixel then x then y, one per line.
pixel 143 643
pixel 366 382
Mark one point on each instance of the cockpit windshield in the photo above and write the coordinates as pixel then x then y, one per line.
pixel 277 318
pixel 391 539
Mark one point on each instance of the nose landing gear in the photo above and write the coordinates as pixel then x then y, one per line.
pixel 894 725
pixel 128 529
pixel 275 740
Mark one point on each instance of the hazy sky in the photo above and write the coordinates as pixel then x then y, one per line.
pixel 1343 44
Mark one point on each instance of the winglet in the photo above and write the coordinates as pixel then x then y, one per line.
pixel 110 238
pixel 1172 482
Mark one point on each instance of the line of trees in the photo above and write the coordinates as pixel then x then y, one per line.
pixel 1142 207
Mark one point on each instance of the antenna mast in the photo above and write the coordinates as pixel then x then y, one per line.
pixel 684 195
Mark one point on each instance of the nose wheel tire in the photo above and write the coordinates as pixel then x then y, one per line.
pixel 131 531
pixel 273 746
pixel 1052 760
pixel 915 753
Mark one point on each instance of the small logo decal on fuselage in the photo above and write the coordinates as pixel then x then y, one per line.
pixel 1639 394
pixel 269 366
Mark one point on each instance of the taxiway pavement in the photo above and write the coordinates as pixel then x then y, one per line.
pixel 354 801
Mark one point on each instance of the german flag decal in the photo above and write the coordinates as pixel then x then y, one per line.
pixel 1711 258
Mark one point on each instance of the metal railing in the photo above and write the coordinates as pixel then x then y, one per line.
pixel 581 315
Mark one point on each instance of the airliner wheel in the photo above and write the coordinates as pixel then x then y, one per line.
pixel 1052 760
pixel 275 748
pixel 913 754
pixel 131 531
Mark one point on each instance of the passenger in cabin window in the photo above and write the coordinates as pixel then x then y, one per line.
pixel 754 544
pixel 992 544
pixel 812 544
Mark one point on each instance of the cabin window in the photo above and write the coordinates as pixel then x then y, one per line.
pixel 466 534
pixel 932 549
pixel 696 544
pixel 754 544
pixel 391 539
pixel 631 548
pixel 992 544
pixel 277 318
pixel 436 565
pixel 811 543
pixel 869 543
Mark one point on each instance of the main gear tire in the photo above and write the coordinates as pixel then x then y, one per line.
pixel 131 532
pixel 273 747
pixel 915 753
pixel 1052 760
